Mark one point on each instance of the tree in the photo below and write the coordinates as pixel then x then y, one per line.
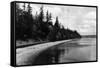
pixel 18 26
pixel 24 22
pixel 29 8
pixel 48 17
pixel 57 25
pixel 41 15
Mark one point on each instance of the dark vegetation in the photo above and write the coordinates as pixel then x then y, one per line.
pixel 39 27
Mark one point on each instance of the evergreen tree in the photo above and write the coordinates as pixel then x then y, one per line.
pixel 57 25
pixel 41 15
pixel 29 8
pixel 47 16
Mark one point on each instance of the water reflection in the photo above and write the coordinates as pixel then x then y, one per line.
pixel 49 56
pixel 73 51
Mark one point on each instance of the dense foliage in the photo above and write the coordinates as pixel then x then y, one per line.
pixel 40 26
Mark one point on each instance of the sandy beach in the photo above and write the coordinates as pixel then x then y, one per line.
pixel 26 55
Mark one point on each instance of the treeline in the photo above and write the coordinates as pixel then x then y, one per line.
pixel 40 26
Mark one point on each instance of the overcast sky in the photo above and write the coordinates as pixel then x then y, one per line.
pixel 82 19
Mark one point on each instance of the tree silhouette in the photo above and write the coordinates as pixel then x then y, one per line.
pixel 29 8
pixel 29 26
pixel 57 25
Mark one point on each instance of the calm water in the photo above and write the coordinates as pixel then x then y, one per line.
pixel 77 50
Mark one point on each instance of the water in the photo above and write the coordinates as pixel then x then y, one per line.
pixel 77 50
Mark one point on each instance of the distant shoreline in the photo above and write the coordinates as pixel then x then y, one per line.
pixel 36 43
pixel 89 36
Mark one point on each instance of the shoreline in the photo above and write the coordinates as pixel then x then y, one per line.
pixel 25 56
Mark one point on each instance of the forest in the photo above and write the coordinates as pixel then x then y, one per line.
pixel 39 26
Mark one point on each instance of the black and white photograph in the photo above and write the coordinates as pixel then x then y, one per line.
pixel 48 34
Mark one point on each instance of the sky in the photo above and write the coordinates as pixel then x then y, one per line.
pixel 82 19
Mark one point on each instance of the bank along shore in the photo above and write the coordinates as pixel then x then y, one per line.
pixel 27 55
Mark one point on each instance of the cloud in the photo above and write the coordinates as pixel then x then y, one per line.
pixel 91 15
pixel 88 26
